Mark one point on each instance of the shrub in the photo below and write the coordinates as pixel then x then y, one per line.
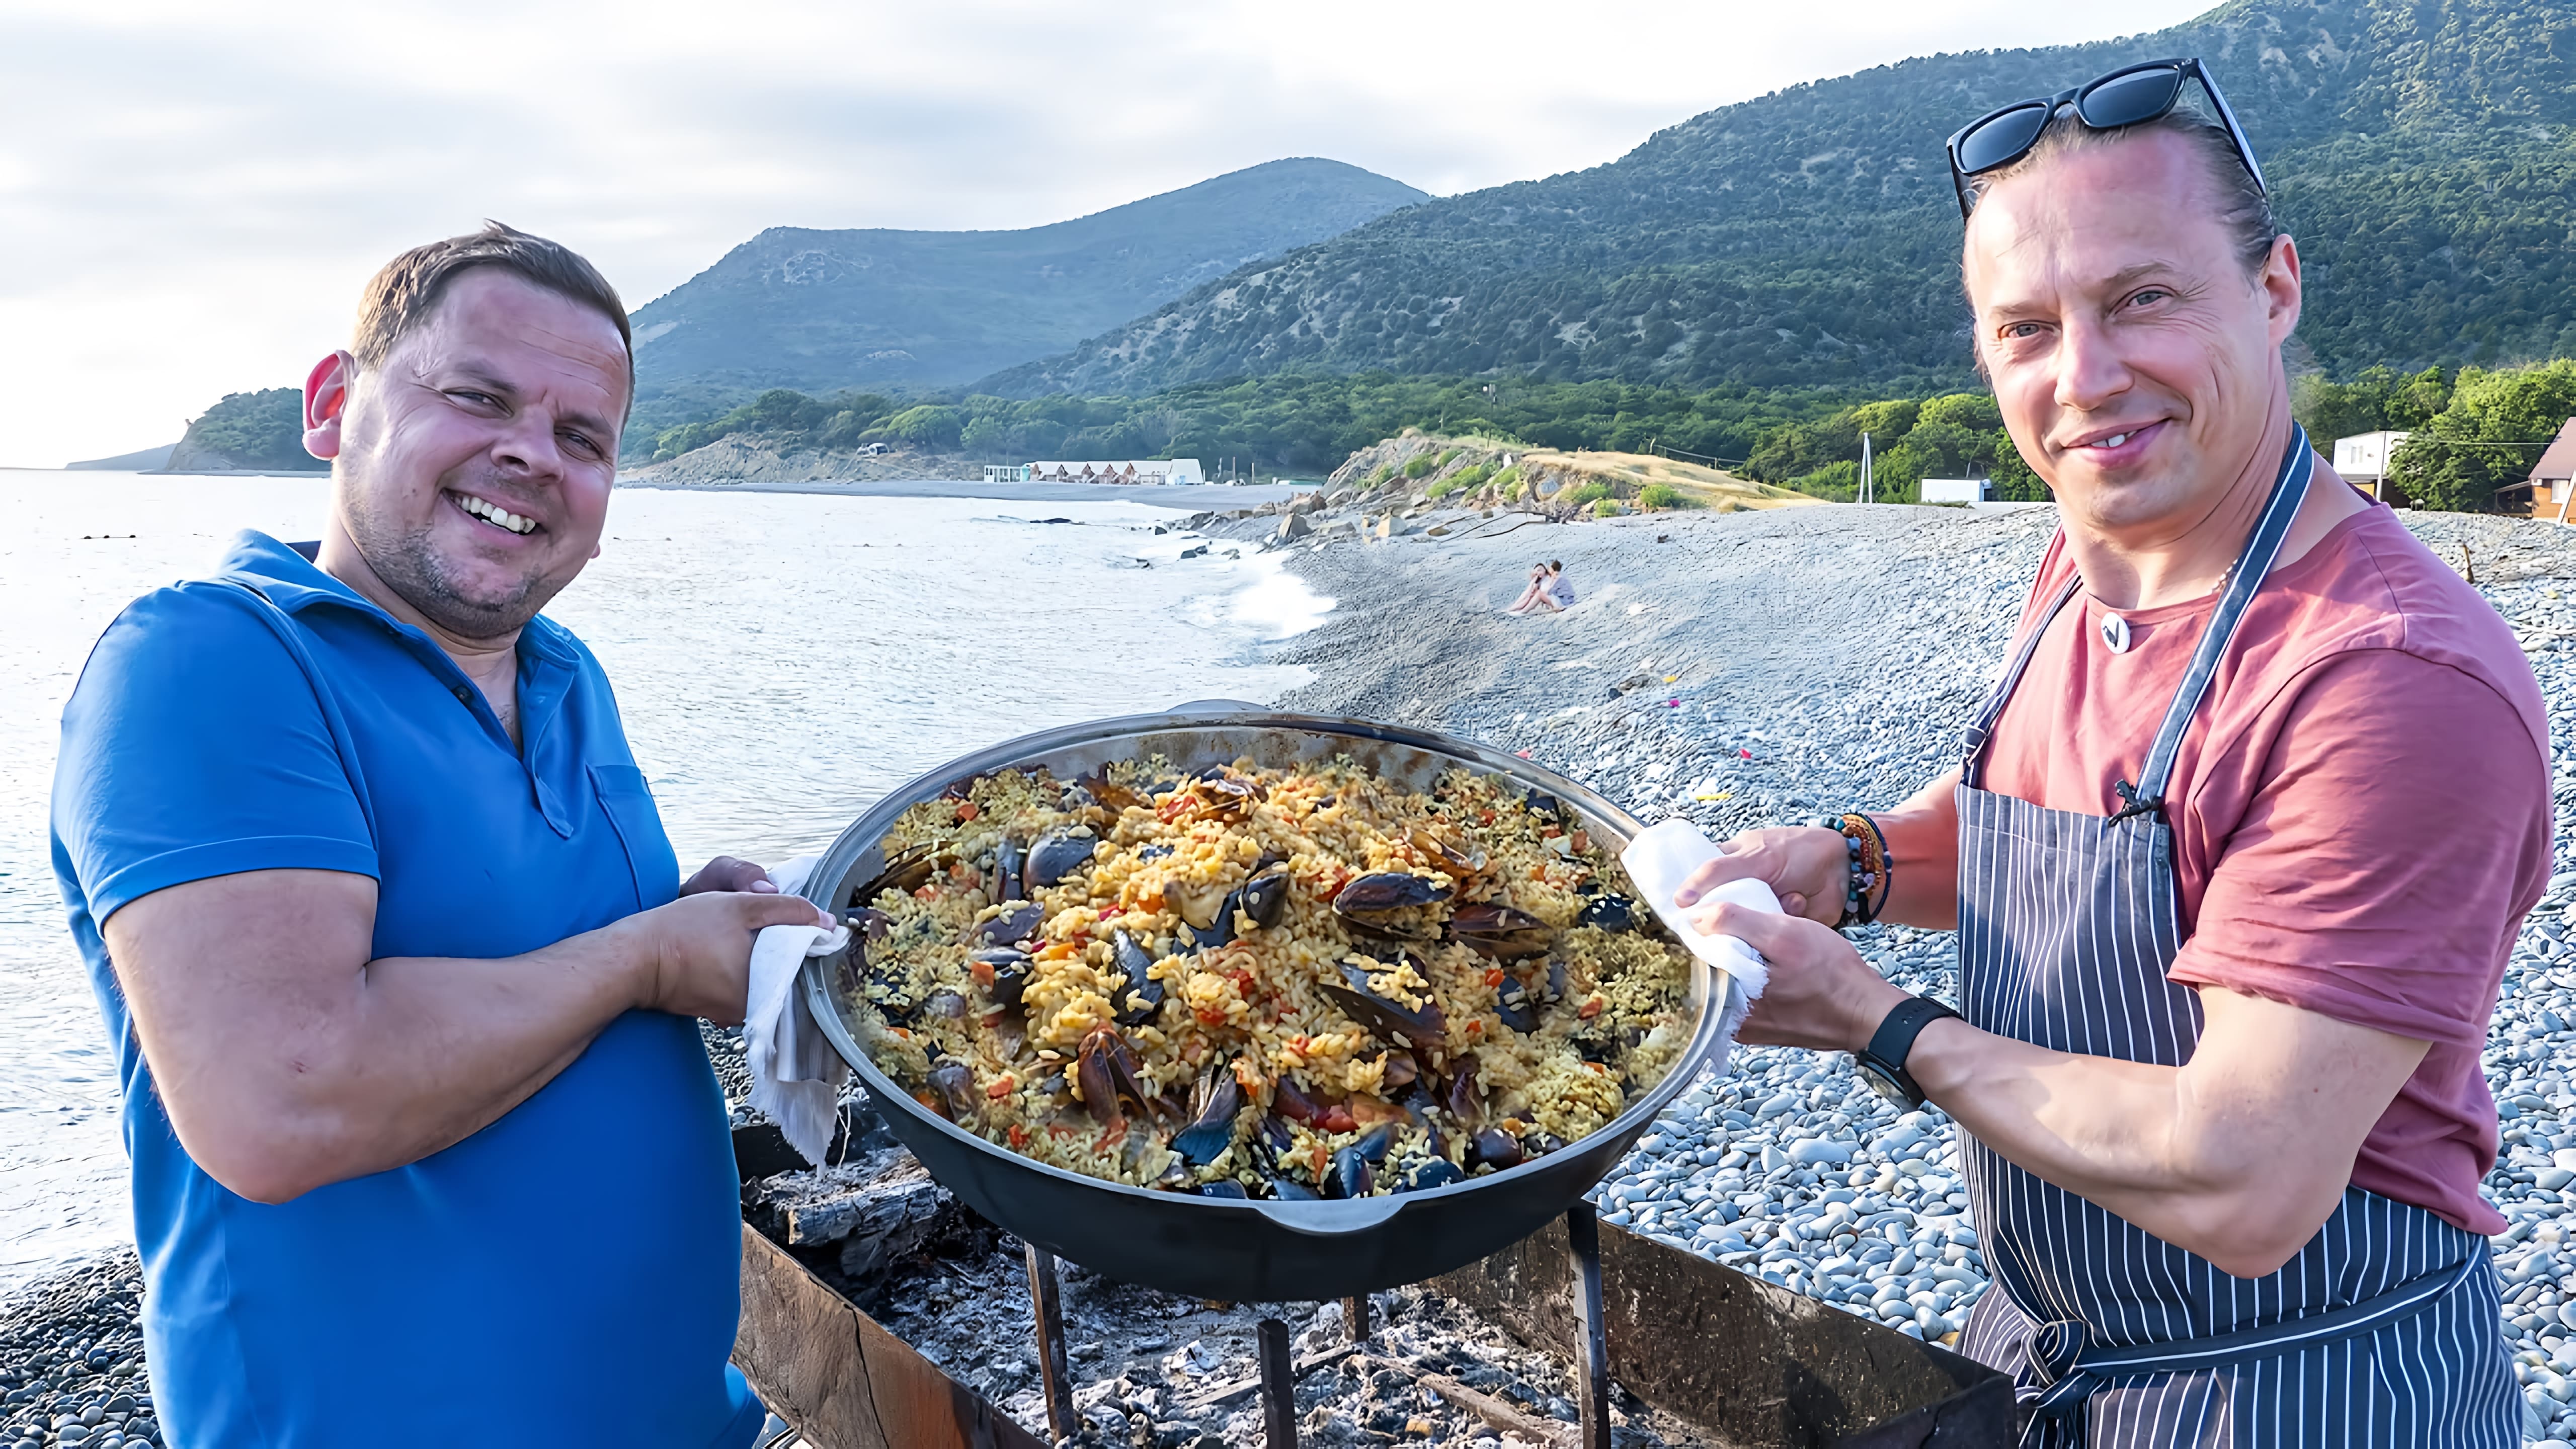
pixel 1593 492
pixel 1665 495
pixel 1507 483
pixel 1605 508
pixel 1422 464
pixel 1443 488
pixel 1470 477
pixel 1449 456
pixel 1384 472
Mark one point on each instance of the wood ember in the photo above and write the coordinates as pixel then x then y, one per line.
pixel 882 1210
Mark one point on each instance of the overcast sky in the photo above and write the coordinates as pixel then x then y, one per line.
pixel 191 194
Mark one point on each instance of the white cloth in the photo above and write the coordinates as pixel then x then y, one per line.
pixel 1658 861
pixel 796 1076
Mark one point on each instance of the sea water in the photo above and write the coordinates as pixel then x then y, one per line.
pixel 780 660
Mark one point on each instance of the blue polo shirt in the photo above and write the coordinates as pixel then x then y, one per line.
pixel 568 1274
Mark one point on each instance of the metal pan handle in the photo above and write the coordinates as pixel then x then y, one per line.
pixel 1331 1219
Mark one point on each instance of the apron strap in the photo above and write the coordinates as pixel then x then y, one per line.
pixel 1973 763
pixel 2289 489
pixel 2068 1372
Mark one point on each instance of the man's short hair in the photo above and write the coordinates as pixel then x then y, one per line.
pixel 409 286
pixel 2243 206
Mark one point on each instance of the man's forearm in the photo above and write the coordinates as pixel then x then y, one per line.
pixel 280 1077
pixel 1923 837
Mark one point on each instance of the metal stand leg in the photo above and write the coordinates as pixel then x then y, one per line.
pixel 1053 1371
pixel 1355 1317
pixel 1583 1246
pixel 1278 1385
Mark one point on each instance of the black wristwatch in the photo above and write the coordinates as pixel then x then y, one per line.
pixel 1882 1062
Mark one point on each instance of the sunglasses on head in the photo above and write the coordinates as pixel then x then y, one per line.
pixel 2125 97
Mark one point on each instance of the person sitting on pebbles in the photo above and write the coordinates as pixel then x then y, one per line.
pixel 1560 589
pixel 1536 599
pixel 403 982
pixel 2236 852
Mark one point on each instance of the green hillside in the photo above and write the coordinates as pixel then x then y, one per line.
pixel 2423 150
pixel 261 430
pixel 794 307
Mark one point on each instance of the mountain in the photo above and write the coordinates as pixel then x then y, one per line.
pixel 259 432
pixel 2421 150
pixel 794 307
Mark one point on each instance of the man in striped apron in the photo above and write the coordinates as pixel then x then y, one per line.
pixel 2236 852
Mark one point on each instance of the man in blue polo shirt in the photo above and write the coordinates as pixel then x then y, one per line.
pixel 402 978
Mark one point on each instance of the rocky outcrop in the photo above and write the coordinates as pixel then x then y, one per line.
pixel 747 458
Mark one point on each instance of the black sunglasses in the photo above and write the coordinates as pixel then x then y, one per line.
pixel 2125 97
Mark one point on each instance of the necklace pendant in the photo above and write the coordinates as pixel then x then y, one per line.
pixel 2115 632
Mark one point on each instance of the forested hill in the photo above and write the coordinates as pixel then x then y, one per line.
pixel 2424 151
pixel 794 307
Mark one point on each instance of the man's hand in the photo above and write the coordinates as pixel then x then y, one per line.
pixel 724 873
pixel 1807 866
pixel 699 947
pixel 1821 995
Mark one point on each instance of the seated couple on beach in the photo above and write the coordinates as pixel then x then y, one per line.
pixel 1548 592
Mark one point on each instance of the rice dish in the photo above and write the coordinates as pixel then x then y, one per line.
pixel 1254 982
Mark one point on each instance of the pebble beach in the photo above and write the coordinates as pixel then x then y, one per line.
pixel 1737 669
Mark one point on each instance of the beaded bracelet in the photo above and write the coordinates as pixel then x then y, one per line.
pixel 1873 869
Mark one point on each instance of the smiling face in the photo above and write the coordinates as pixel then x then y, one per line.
pixel 2137 363
pixel 473 468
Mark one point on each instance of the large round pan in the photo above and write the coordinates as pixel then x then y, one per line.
pixel 1214 1247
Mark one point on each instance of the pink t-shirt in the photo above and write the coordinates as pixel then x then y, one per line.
pixel 2360 809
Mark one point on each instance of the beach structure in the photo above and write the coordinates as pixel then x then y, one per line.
pixel 2553 478
pixel 2363 459
pixel 1145 472
pixel 1954 490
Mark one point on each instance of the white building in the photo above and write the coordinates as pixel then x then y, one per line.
pixel 1954 490
pixel 1144 472
pixel 2363 458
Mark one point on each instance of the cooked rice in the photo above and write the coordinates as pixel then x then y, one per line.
pixel 1168 847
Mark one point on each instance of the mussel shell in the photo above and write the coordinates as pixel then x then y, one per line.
pixel 1351 1175
pixel 1387 890
pixel 1008 857
pixel 1218 932
pixel 1057 854
pixel 1425 1029
pixel 1288 1189
pixel 1009 928
pixel 1610 913
pixel 945 1003
pixel 1426 1174
pixel 1142 996
pixel 1512 1004
pixel 1264 898
pixel 1495 1148
pixel 1542 803
pixel 1539 1144
pixel 954 1085
pixel 1374 1143
pixel 1225 1187
pixel 870 923
pixel 1460 1095
pixel 1011 972
pixel 1501 932
pixel 1208 1137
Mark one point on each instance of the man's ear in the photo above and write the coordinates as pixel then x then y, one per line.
pixel 326 399
pixel 2283 287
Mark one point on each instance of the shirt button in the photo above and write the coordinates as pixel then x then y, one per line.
pixel 465 697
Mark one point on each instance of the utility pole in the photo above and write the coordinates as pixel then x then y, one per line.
pixel 1865 492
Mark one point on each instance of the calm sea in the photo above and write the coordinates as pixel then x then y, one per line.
pixel 780 659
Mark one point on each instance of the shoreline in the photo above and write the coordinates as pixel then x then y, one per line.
pixel 1209 497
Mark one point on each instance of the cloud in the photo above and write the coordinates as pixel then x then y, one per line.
pixel 191 195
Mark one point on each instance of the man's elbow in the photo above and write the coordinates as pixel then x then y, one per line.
pixel 2252 1232
pixel 276 1161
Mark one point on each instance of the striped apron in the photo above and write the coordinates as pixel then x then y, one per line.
pixel 2383 1330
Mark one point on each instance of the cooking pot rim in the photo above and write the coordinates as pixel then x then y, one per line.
pixel 1311 1217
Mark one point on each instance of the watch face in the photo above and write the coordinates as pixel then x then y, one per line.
pixel 1883 1084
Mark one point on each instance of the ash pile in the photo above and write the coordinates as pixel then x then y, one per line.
pixel 1150 1368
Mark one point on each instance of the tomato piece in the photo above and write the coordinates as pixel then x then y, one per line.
pixel 982 971
pixel 1002 1087
pixel 1493 976
pixel 1019 1135
pixel 1475 1028
pixel 1591 1008
pixel 1209 1016
pixel 968 810
pixel 1338 1118
pixel 1582 840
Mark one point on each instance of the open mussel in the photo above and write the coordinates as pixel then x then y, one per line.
pixel 1003 972
pixel 1009 928
pixel 1459 1096
pixel 1261 900
pixel 1495 1148
pixel 1354 1167
pixel 1008 858
pixel 952 1089
pixel 1211 1132
pixel 871 924
pixel 1382 891
pixel 1425 1173
pixel 1289 1189
pixel 1501 932
pixel 1106 1072
pixel 1224 1187
pixel 1055 855
pixel 1512 1003
pixel 1140 996
pixel 1609 912
pixel 1425 1027
pixel 907 870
